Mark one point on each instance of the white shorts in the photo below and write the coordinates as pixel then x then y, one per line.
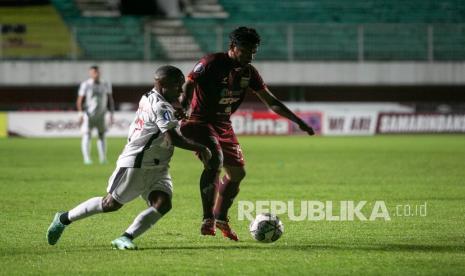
pixel 91 122
pixel 125 184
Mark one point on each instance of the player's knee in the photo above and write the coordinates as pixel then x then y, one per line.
pixel 237 175
pixel 109 204
pixel 231 190
pixel 160 201
pixel 215 163
pixel 165 207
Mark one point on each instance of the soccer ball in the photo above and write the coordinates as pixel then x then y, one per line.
pixel 266 228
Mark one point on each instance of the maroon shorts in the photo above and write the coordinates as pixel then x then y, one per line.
pixel 219 137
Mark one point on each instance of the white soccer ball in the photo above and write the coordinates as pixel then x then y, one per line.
pixel 266 228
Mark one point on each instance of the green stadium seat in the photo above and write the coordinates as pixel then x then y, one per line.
pixel 320 30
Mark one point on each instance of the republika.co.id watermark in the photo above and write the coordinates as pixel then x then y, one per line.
pixel 344 210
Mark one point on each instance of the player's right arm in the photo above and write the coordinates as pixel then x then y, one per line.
pixel 182 142
pixel 111 103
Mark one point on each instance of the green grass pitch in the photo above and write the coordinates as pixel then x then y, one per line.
pixel 41 176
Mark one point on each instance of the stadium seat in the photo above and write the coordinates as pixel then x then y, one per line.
pixel 328 29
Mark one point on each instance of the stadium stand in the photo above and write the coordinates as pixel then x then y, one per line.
pixel 103 38
pixel 320 30
pixel 340 11
pixel 34 32
pixel 337 29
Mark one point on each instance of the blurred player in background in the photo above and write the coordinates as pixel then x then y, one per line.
pixel 214 90
pixel 142 167
pixel 97 94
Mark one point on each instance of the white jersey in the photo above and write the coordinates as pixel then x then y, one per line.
pixel 148 143
pixel 96 96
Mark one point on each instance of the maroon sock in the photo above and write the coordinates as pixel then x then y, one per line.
pixel 227 191
pixel 208 183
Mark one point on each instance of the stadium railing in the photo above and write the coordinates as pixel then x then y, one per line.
pixel 345 42
pixel 285 42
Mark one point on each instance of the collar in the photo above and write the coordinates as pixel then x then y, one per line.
pixel 159 94
pixel 93 81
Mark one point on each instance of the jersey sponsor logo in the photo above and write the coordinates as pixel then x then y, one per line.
pixel 228 100
pixel 199 68
pixel 225 93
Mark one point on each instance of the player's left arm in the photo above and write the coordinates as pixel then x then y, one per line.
pixel 187 91
pixel 278 107
pixel 111 104
pixel 182 142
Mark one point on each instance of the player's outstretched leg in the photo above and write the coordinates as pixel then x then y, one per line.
pixel 55 229
pixel 87 208
pixel 85 148
pixel 102 148
pixel 123 243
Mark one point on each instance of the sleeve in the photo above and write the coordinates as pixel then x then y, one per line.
pixel 199 71
pixel 82 89
pixel 164 117
pixel 256 81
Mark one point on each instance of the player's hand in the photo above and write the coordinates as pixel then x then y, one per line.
pixel 80 120
pixel 307 128
pixel 180 114
pixel 112 119
pixel 205 156
pixel 179 111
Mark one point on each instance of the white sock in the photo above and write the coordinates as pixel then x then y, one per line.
pixel 86 209
pixel 143 222
pixel 102 148
pixel 85 147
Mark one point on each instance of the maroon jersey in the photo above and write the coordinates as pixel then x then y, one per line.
pixel 220 87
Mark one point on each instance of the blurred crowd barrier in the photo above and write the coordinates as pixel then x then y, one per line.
pixel 326 119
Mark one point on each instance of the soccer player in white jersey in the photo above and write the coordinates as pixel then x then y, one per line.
pixel 94 97
pixel 142 167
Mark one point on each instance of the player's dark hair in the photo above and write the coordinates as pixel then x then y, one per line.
pixel 244 36
pixel 168 71
pixel 94 67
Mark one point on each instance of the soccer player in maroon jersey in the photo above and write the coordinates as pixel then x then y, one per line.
pixel 214 90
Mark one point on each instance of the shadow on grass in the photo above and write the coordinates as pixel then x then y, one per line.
pixel 250 247
pixel 319 247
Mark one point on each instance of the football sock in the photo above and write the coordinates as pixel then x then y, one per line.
pixel 64 219
pixel 143 222
pixel 227 191
pixel 128 236
pixel 102 149
pixel 85 146
pixel 87 208
pixel 207 191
